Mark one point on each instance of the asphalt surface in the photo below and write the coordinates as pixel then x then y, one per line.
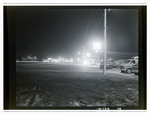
pixel 63 67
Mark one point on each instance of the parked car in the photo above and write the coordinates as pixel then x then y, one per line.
pixel 45 60
pixel 109 65
pixel 135 69
pixel 98 63
pixel 127 65
pixel 117 63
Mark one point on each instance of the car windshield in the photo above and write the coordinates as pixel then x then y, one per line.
pixel 126 61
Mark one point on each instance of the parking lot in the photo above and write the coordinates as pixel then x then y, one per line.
pixel 63 67
pixel 42 84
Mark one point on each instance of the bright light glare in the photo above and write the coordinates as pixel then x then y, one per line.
pixel 96 46
pixel 85 62
pixel 78 52
pixel 88 54
pixel 71 60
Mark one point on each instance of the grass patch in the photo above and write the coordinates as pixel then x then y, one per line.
pixel 44 89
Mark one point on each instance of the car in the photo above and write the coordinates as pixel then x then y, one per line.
pixel 117 63
pixel 109 65
pixel 98 63
pixel 45 60
pixel 127 65
pixel 135 69
pixel 91 61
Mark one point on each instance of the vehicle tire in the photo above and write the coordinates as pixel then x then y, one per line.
pixel 128 71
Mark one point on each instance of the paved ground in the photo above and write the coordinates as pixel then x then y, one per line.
pixel 63 67
pixel 42 84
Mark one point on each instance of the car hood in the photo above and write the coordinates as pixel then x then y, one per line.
pixel 123 64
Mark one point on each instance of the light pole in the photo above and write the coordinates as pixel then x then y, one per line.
pixel 105 38
pixel 104 68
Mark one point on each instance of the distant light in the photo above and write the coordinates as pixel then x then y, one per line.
pixel 85 62
pixel 46 60
pixel 96 46
pixel 88 54
pixel 71 59
pixel 78 59
pixel 78 52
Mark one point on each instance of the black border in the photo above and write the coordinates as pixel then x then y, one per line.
pixel 142 58
pixel 10 57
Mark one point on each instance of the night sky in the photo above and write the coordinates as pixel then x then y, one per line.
pixel 50 32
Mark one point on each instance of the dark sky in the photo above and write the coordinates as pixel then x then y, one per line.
pixel 62 32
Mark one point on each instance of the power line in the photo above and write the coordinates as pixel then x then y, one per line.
pixel 94 17
pixel 123 29
pixel 94 28
pixel 97 20
pixel 87 27
pixel 117 18
pixel 91 22
pixel 91 35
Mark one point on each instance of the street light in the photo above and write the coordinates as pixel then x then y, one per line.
pixel 96 46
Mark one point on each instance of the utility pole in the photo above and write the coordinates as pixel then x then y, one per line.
pixel 104 60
